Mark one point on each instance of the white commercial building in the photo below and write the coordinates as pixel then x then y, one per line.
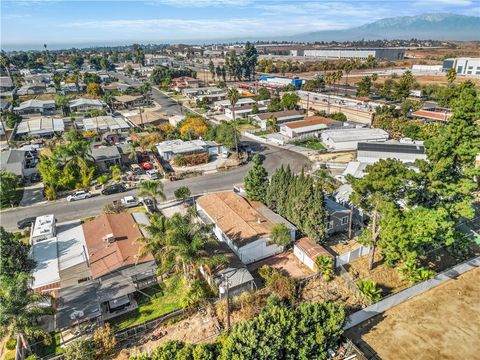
pixel 370 152
pixel 347 139
pixel 463 66
pixel 353 53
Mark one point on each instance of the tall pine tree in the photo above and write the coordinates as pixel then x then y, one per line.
pixel 256 181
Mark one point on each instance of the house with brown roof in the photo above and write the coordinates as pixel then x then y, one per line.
pixel 184 82
pixel 128 101
pixel 309 127
pixel 114 262
pixel 242 224
pixel 148 118
pixel 307 251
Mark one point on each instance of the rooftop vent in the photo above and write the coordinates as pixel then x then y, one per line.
pixel 109 238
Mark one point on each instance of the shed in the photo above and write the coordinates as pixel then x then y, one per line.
pixel 307 251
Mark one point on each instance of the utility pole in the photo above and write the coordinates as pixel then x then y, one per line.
pixel 308 102
pixel 228 305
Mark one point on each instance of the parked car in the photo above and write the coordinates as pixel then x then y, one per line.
pixel 146 165
pixel 27 222
pixel 225 154
pixel 79 195
pixel 149 205
pixel 127 201
pixel 137 170
pixel 113 189
pixel 153 174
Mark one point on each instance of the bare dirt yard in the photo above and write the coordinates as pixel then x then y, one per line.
pixel 443 323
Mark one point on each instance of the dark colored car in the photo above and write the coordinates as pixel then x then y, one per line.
pixel 113 189
pixel 24 223
pixel 149 205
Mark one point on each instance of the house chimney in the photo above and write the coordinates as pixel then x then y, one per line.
pixel 109 238
pixel 259 221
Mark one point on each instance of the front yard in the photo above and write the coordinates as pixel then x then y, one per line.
pixel 310 143
pixel 161 299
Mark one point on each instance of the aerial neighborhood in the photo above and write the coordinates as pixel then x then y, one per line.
pixel 241 200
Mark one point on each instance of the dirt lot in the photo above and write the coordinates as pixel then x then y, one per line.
pixel 287 263
pixel 443 323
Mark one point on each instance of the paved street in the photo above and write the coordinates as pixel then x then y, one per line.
pixel 65 211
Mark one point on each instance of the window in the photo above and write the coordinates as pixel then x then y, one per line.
pixel 345 220
pixel 83 279
pixel 330 225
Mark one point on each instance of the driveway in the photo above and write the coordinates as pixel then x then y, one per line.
pixel 32 194
pixel 65 211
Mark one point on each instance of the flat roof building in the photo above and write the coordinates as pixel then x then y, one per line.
pixel 347 139
pixel 370 152
pixel 463 66
pixel 103 124
pixel 353 53
pixel 171 148
pixel 280 116
pixel 40 127
pixel 310 127
pixel 34 106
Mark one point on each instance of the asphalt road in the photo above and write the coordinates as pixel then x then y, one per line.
pixel 65 211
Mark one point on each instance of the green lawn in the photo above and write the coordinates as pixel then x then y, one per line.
pixel 165 298
pixel 54 348
pixel 310 143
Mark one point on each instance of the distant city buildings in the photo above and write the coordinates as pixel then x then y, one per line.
pixel 352 53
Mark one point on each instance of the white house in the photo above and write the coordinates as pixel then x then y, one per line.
pixel 347 139
pixel 243 102
pixel 310 127
pixel 281 116
pixel 85 105
pixel 34 106
pixel 244 225
pixel 171 148
pixel 243 112
pixel 369 152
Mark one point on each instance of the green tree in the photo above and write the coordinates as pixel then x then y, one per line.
pixel 451 75
pixel 61 101
pixel 82 349
pixel 21 307
pixel 104 341
pixel 183 193
pixel 153 189
pixel 404 86
pixel 289 101
pixel 15 255
pixel 211 68
pixel 154 240
pixel 256 180
pixel 262 94
pixel 370 290
pixel 364 86
pixel 280 235
pixel 249 60
pixel 8 187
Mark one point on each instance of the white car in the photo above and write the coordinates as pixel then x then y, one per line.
pixel 153 174
pixel 79 195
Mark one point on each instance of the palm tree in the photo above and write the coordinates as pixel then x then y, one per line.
pixel 154 241
pixel 109 99
pixel 233 96
pixel 152 188
pixel 61 102
pixel 347 68
pixel 5 62
pixel 21 307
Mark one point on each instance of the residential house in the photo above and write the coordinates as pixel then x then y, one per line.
pixel 243 102
pixel 35 89
pixel 347 139
pixel 281 116
pixel 194 92
pixel 6 84
pixel 116 86
pixel 19 162
pixel 158 60
pixel 150 118
pixel 107 156
pixel 371 152
pixel 4 105
pixel 36 79
pixel 39 127
pixel 242 224
pixel 68 88
pixel 338 217
pixel 102 124
pixel 310 127
pixel 82 104
pixel 433 114
pixel 234 272
pixel 169 149
pixel 183 82
pixel 114 261
pixel 60 255
pixel 128 101
pixel 307 251
pixel 243 112
pixel 42 107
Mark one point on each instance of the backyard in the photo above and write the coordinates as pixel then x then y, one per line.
pixel 310 143
pixel 163 299
pixel 443 323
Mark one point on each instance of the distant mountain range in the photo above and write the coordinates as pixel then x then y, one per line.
pixel 426 26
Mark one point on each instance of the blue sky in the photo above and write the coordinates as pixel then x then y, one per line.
pixel 59 22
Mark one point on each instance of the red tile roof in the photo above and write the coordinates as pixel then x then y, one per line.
pixel 312 249
pixel 432 115
pixel 312 120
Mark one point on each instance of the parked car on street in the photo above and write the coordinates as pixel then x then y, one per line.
pixel 225 154
pixel 27 222
pixel 113 189
pixel 153 174
pixel 149 205
pixel 79 195
pixel 127 201
pixel 146 165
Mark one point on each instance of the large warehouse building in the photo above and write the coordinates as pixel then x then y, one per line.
pixel 352 53
pixel 463 66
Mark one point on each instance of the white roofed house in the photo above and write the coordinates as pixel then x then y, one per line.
pixel 42 107
pixel 370 152
pixel 242 112
pixel 242 224
pixel 347 139
pixel 310 127
pixel 243 102
pixel 172 148
pixel 83 104
pixel 281 116
pixel 102 124
pixel 40 127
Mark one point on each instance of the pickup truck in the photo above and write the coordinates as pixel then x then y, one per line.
pixel 127 201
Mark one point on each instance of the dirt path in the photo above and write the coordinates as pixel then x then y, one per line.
pixel 443 323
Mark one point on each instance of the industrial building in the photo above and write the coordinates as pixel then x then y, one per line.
pixel 278 81
pixel 352 53
pixel 463 66
pixel 348 139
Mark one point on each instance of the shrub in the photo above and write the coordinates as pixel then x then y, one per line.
pixel 282 285
pixel 82 349
pixel 325 267
pixel 370 290
pixel 11 343
pixel 191 160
